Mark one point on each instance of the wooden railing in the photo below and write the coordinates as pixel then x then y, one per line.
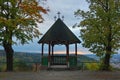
pixel 58 60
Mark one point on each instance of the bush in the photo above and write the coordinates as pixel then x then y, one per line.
pixel 102 67
pixel 2 66
pixel 21 66
pixel 80 66
pixel 92 66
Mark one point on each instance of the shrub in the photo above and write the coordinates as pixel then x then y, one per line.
pixel 21 66
pixel 102 66
pixel 80 66
pixel 92 66
pixel 2 66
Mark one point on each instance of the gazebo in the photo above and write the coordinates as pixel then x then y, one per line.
pixel 59 33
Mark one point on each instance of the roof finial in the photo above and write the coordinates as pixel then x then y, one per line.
pixel 55 18
pixel 63 18
pixel 58 14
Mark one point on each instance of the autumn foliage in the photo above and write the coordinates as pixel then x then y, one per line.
pixel 32 9
pixel 18 20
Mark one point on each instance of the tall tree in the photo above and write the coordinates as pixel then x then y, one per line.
pixel 100 28
pixel 18 20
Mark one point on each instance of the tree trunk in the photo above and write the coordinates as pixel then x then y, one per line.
pixel 9 55
pixel 106 60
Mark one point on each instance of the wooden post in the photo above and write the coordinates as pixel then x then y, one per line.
pixel 42 51
pixel 76 52
pixel 67 51
pixel 52 58
pixel 76 49
pixel 52 50
pixel 49 49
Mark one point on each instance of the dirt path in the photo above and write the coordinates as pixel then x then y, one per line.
pixel 60 75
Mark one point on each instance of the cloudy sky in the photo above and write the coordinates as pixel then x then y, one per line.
pixel 67 9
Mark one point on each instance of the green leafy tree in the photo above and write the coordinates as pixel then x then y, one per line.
pixel 100 28
pixel 18 20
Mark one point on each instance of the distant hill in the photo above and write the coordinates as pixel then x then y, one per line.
pixel 2 53
pixel 114 58
pixel 93 56
pixel 36 57
pixel 28 57
pixel 85 58
pixel 22 56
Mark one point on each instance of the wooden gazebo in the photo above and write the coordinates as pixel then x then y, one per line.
pixel 59 33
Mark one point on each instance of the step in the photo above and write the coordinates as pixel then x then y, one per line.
pixel 58 67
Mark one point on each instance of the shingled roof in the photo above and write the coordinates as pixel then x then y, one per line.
pixel 59 33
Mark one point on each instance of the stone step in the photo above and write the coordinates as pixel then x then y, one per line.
pixel 58 67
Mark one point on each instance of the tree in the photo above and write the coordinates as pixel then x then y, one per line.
pixel 100 28
pixel 18 20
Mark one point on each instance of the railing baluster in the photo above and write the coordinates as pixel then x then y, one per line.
pixel 60 60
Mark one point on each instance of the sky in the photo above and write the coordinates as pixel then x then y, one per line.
pixel 67 9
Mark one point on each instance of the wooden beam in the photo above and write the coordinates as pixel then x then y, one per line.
pixel 52 57
pixel 76 52
pixel 42 51
pixel 67 51
pixel 76 49
pixel 49 50
pixel 52 50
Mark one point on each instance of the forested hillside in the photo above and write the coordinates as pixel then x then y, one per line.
pixel 36 57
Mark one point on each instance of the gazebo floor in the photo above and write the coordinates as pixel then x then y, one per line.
pixel 58 67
